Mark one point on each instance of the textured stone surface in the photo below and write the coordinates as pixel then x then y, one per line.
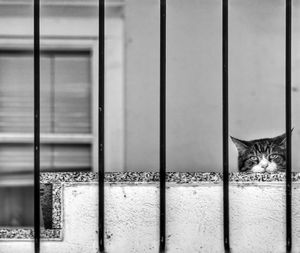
pixel 27 233
pixel 175 177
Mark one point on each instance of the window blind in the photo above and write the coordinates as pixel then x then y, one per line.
pixel 65 109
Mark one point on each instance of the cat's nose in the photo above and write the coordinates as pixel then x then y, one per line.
pixel 264 165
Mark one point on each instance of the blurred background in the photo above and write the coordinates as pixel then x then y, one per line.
pixel 69 87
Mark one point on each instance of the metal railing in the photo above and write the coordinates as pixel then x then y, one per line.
pixel 37 126
pixel 288 121
pixel 101 111
pixel 162 136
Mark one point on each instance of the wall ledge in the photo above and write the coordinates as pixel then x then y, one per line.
pixel 171 177
pixel 58 180
pixel 28 234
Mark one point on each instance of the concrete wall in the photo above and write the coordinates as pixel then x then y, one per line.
pixel 194 218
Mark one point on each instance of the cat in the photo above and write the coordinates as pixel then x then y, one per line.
pixel 261 155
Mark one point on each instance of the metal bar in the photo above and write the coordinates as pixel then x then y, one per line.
pixel 101 122
pixel 225 124
pixel 288 120
pixel 162 137
pixel 37 214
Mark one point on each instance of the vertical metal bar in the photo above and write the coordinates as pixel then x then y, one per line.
pixel 162 137
pixel 101 122
pixel 37 126
pixel 288 120
pixel 225 124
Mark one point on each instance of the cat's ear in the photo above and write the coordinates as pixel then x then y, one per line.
pixel 241 145
pixel 281 139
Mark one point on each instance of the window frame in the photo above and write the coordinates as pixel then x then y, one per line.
pixel 49 43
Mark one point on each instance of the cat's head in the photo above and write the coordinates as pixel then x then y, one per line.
pixel 261 155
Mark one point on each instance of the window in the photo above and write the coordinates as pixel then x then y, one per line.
pixel 69 121
pixel 66 130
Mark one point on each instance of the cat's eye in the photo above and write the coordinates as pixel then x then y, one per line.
pixel 274 156
pixel 253 158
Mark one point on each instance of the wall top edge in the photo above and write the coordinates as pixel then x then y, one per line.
pixel 171 177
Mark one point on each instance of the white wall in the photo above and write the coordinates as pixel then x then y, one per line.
pixel 194 80
pixel 194 219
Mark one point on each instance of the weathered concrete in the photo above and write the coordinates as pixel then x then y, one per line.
pixel 194 215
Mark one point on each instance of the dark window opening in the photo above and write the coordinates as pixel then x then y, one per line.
pixel 16 207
